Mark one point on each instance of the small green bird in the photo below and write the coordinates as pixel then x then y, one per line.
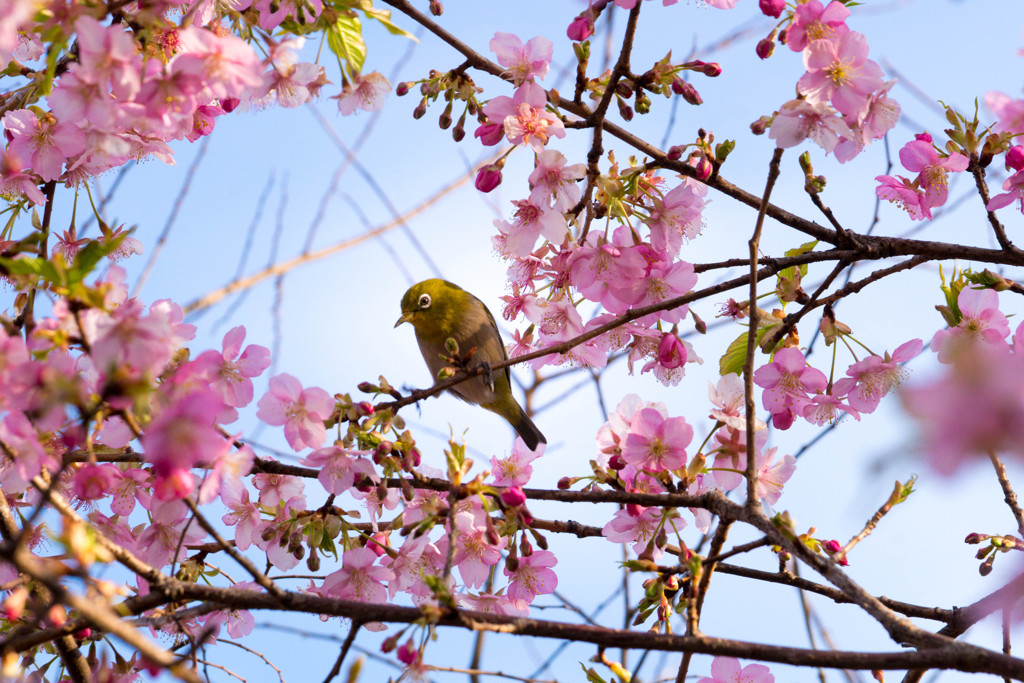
pixel 439 310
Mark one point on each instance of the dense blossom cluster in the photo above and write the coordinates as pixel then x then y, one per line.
pixel 152 73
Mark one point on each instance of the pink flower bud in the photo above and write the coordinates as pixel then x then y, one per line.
pixel 832 546
pixel 974 538
pixel 490 134
pixel 1015 158
pixel 407 653
pixel 634 510
pixel 564 483
pixel 704 168
pixel 378 542
pixel 687 91
pixel 617 463
pixel 403 88
pixel 513 496
pixel 228 104
pixel 772 8
pixel 712 69
pixel 581 28
pixel 436 8
pixel 488 178
pixel 671 351
pixel 675 152
pixel 82 633
pixel 924 137
pixel 765 48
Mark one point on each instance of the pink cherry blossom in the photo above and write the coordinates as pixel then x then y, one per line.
pixel 475 551
pixel 522 62
pixel 920 156
pixel 1014 186
pixel 676 217
pixel 657 443
pixel 277 488
pixel 786 382
pixel 553 181
pixel 301 411
pixel 365 92
pixel 15 15
pixel 974 408
pixel 727 669
pixel 641 530
pixel 874 377
pixel 531 220
pixel 231 373
pixel 515 470
pixel 729 400
pixel 839 71
pixel 524 117
pixel 14 181
pixel 599 269
pixel 243 515
pixel 163 541
pixel 828 408
pixel 226 63
pixel 340 467
pixel 494 604
pixel 359 578
pixel 798 120
pixel 45 143
pixel 813 22
pixel 95 481
pixel 1008 112
pixel 982 323
pixel 183 436
pixel 532 577
pixel 905 194
pixel 878 118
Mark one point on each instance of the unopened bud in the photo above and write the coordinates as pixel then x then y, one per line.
pixel 436 8
pixel 675 152
pixel 761 125
pixel 617 463
pixel 625 111
pixel 765 48
pixel 1015 158
pixel 704 168
pixel 403 88
pixel 367 388
pixel 445 120
pixel 622 89
pixel 581 28
pixel 488 177
pixel 986 567
pixel 421 109
pixel 772 8
pixel 975 538
pixel 642 103
pixel 564 483
pixel 686 91
pixel 513 496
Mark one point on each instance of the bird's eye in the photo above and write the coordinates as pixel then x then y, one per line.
pixel 424 301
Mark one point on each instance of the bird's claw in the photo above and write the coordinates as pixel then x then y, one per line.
pixel 488 374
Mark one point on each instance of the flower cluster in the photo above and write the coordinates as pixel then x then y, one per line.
pixel 128 86
pixel 844 103
pixel 929 189
pixel 975 407
pixel 645 451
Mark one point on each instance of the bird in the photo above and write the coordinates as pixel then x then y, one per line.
pixel 439 310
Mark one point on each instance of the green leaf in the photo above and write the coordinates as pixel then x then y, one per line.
pixel 384 17
pixel 592 676
pixel 802 249
pixel 736 355
pixel 345 38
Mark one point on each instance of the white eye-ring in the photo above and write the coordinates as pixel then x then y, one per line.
pixel 424 301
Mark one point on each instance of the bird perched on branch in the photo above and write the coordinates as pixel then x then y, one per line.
pixel 439 311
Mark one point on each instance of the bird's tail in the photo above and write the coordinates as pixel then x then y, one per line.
pixel 528 431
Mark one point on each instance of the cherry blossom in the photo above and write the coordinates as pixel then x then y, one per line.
pixel 522 62
pixel 365 92
pixel 982 322
pixel 839 71
pixel 532 576
pixel 657 443
pixel 44 143
pixel 786 382
pixel 812 21
pixel 515 470
pixel 554 181
pixel 727 669
pixel 360 578
pixel 798 120
pixel 919 156
pixel 301 411
pixel 524 118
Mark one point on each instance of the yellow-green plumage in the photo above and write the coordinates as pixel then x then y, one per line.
pixel 439 310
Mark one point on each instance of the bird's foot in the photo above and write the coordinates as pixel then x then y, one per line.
pixel 488 374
